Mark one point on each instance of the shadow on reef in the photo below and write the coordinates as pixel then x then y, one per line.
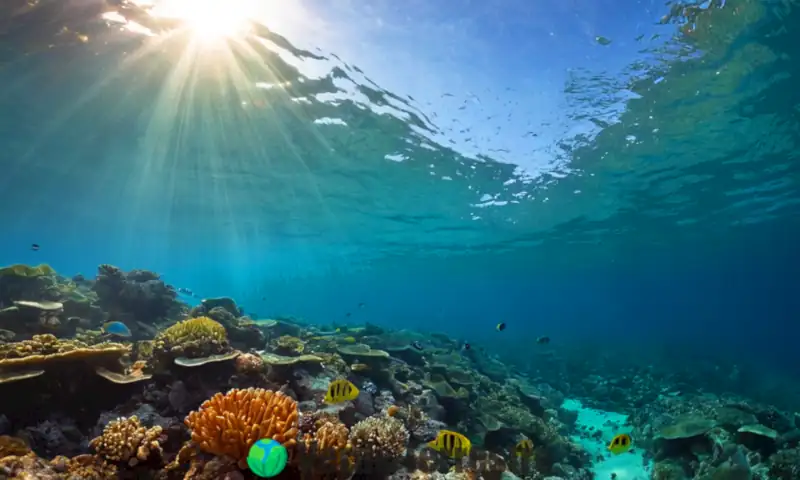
pixel 188 393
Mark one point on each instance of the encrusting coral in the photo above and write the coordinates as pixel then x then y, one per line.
pixel 379 437
pixel 195 337
pixel 126 440
pixel 229 424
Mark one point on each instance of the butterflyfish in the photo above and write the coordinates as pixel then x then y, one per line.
pixel 341 391
pixel 118 329
pixel 620 444
pixel 524 448
pixel 501 326
pixel 452 444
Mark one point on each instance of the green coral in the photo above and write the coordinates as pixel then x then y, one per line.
pixel 192 338
pixel 20 270
pixel 288 345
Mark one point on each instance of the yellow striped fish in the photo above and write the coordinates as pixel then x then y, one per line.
pixel 452 444
pixel 341 391
pixel 524 448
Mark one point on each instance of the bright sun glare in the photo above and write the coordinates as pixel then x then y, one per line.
pixel 208 19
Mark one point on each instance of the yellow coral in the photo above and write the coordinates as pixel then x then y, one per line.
pixel 126 440
pixel 230 424
pixel 195 337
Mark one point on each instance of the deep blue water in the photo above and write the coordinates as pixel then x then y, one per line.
pixel 656 207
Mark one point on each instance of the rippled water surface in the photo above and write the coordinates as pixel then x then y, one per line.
pixel 531 140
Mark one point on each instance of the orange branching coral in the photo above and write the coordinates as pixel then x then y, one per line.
pixel 229 424
pixel 329 447
pixel 126 440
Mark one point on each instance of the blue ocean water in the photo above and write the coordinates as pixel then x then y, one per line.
pixel 621 177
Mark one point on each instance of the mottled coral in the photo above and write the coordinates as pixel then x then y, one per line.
pixel 288 345
pixel 381 437
pixel 229 424
pixel 195 337
pixel 248 363
pixel 126 440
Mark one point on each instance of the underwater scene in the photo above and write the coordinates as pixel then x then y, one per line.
pixel 443 239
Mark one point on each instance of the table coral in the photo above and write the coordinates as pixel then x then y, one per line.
pixel 229 424
pixel 45 349
pixel 126 440
pixel 195 337
pixel 382 437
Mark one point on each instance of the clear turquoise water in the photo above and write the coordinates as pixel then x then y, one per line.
pixel 449 164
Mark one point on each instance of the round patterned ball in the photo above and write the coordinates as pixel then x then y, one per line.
pixel 267 458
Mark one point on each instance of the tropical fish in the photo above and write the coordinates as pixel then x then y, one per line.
pixel 501 326
pixel 349 339
pixel 467 346
pixel 524 448
pixel 341 391
pixel 620 444
pixel 118 329
pixel 543 340
pixel 35 247
pixel 416 344
pixel 450 443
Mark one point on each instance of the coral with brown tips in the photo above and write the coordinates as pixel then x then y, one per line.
pixel 382 437
pixel 230 424
pixel 126 440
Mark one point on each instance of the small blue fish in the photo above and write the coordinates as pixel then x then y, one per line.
pixel 118 329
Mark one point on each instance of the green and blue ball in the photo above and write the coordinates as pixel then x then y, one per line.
pixel 267 458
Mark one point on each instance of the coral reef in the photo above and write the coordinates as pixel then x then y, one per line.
pixel 75 406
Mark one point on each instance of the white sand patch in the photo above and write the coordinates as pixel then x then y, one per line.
pixel 627 466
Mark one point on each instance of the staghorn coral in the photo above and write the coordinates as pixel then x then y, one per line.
pixel 195 337
pixel 229 424
pixel 381 437
pixel 126 440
